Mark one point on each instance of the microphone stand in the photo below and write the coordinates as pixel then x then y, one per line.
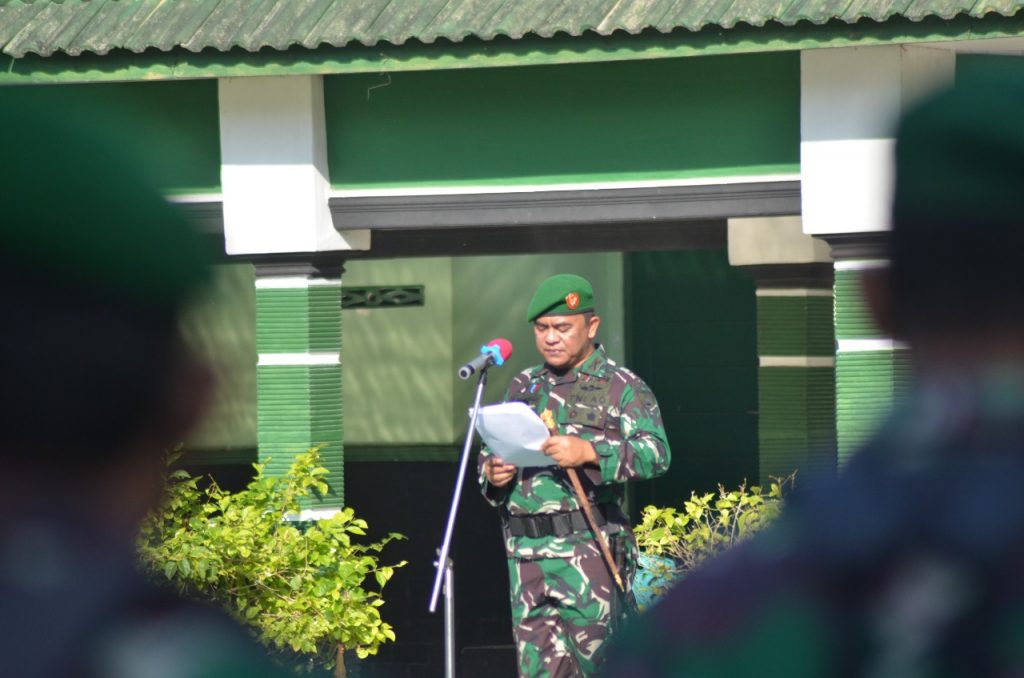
pixel 444 563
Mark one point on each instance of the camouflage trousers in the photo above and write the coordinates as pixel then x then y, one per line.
pixel 563 610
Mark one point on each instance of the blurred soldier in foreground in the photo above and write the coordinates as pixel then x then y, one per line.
pixel 94 269
pixel 911 562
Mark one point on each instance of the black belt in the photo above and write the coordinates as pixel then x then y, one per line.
pixel 559 524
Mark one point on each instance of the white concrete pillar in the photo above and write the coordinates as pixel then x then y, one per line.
pixel 850 102
pixel 275 183
pixel 274 173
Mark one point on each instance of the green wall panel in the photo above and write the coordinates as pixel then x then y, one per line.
pixel 298 401
pixel 708 116
pixel 974 65
pixel 298 320
pixel 300 407
pixel 171 129
pixel 707 448
pixel 797 421
pixel 795 326
pixel 398 362
pixel 867 383
pixel 853 319
pixel 692 335
pixel 698 437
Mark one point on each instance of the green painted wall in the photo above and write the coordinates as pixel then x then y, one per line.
pixel 171 128
pixel 399 364
pixel 707 116
pixel 692 324
pixel 972 65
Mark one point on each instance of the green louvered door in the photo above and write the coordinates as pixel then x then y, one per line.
pixel 691 323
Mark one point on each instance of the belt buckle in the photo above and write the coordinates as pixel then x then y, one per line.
pixel 532 527
pixel 562 524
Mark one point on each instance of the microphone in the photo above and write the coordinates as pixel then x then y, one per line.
pixel 494 352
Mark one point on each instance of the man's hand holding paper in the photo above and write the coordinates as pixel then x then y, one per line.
pixel 514 434
pixel 499 473
pixel 569 451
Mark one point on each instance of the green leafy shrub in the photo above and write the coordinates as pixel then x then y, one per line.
pixel 673 542
pixel 307 589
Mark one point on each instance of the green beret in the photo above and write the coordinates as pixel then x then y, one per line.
pixel 77 213
pixel 562 294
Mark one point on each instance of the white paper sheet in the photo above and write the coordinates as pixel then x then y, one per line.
pixel 515 433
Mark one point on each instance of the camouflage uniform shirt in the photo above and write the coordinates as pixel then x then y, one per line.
pixel 602 403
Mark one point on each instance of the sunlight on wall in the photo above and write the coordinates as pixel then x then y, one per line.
pixel 399 363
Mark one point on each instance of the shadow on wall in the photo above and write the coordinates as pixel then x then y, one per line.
pixel 399 363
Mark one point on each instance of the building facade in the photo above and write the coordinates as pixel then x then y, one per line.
pixel 386 182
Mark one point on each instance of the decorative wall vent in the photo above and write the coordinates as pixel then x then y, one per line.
pixel 382 297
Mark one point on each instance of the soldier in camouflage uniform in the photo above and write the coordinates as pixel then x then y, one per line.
pixel 911 562
pixel 565 601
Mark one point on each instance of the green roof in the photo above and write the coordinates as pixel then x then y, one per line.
pixel 74 27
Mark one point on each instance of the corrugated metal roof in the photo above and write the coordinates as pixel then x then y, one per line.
pixel 76 26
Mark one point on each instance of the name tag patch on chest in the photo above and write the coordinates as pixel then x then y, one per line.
pixel 590 393
pixel 588 401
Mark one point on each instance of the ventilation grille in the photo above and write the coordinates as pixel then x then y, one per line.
pixel 382 297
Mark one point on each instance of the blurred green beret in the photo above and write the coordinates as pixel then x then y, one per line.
pixel 76 213
pixel 562 294
pixel 958 154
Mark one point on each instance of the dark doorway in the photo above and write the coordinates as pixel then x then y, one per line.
pixel 413 498
pixel 691 334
